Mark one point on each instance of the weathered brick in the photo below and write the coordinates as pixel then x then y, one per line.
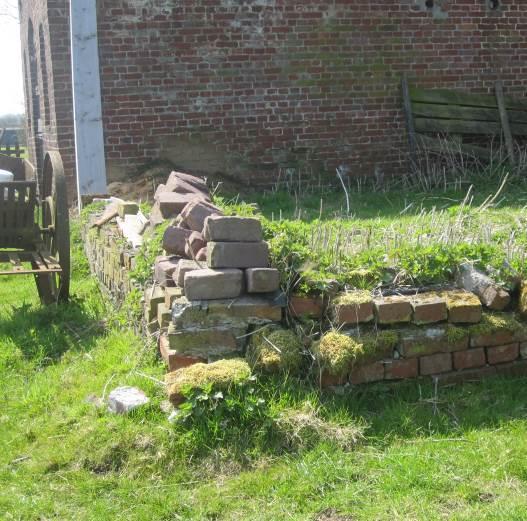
pixel 326 379
pixel 523 349
pixel 164 315
pixel 172 294
pixel 513 369
pixel 195 213
pixel 435 364
pixel 392 310
pixel 401 369
pixel 127 208
pixel 354 307
pixel 184 266
pixel 502 354
pixel 153 297
pixel 195 243
pixel 175 240
pixel 237 254
pixel 367 373
pixel 468 375
pixel 304 306
pixel 470 358
pixel 431 340
pixel 172 204
pixel 201 256
pixel 262 280
pixel 203 342
pixel 463 307
pixel 164 268
pixel 210 284
pixel 173 359
pixel 232 229
pixel 429 308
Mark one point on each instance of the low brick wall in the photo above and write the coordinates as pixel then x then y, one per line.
pixel 110 258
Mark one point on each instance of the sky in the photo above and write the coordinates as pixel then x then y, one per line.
pixel 11 86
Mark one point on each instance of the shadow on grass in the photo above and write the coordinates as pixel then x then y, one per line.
pixel 47 332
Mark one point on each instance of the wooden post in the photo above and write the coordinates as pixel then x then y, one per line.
pixel 410 127
pixel 504 117
pixel 89 141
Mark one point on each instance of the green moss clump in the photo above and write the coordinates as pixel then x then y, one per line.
pixel 494 322
pixel 275 350
pixel 336 352
pixel 220 375
pixel 456 334
pixel 377 345
pixel 353 298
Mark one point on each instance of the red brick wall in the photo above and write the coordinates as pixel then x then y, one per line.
pixel 47 89
pixel 248 88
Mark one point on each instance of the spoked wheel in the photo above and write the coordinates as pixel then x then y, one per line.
pixel 55 287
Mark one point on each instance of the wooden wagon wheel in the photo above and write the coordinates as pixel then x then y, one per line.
pixel 55 287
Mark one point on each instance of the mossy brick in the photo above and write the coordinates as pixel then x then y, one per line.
pixel 203 342
pixel 210 284
pixel 220 375
pixel 306 306
pixel 429 308
pixel 256 309
pixel 463 307
pixel 393 310
pixel 469 358
pixel 497 329
pixel 401 369
pixel 435 364
pixel 238 254
pixel 430 340
pixel 502 354
pixel 327 379
pixel 376 345
pixel 352 307
pixel 153 297
pixel 262 280
pixel 367 373
pixel 220 228
pixel 175 360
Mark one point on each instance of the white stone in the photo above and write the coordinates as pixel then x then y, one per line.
pixel 125 399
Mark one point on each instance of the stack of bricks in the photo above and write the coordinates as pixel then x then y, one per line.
pixel 208 308
pixel 445 335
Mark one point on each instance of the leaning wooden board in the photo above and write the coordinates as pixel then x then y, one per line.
pixel 443 112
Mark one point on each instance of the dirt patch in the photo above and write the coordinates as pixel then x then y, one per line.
pixel 332 515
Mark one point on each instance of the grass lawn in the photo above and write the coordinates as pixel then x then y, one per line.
pixel 454 453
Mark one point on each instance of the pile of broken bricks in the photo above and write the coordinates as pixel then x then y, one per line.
pixel 206 309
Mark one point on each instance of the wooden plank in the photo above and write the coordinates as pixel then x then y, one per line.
pixel 440 146
pixel 454 97
pixel 89 142
pixel 452 126
pixel 505 121
pixel 436 111
pixel 410 127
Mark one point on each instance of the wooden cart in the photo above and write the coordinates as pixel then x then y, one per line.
pixel 34 226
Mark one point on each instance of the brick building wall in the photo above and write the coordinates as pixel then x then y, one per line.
pixel 44 27
pixel 246 88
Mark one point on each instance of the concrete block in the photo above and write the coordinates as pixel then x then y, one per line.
pixel 122 400
pixel 164 268
pixel 195 213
